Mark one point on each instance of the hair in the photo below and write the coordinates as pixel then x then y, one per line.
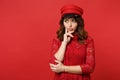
pixel 80 31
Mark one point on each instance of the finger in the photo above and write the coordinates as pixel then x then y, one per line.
pixel 55 71
pixel 57 61
pixel 65 30
pixel 68 34
pixel 53 68
pixel 52 65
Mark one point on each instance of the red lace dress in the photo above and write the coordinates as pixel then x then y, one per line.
pixel 75 54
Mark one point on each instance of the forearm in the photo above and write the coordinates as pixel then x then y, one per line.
pixel 73 69
pixel 60 53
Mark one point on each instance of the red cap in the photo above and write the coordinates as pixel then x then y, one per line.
pixel 71 9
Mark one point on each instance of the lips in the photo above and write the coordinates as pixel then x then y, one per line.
pixel 69 29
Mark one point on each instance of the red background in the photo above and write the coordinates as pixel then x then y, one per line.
pixel 28 26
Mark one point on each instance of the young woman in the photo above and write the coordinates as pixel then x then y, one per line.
pixel 73 54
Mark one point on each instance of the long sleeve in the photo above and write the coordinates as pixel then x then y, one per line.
pixel 89 65
pixel 54 49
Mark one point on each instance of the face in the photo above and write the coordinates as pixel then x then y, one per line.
pixel 70 24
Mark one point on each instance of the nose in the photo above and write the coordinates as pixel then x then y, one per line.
pixel 70 24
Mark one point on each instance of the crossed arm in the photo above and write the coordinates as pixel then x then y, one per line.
pixel 57 66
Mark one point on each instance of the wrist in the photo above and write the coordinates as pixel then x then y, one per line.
pixel 64 42
pixel 64 68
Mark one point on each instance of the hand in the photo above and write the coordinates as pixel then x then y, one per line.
pixel 67 36
pixel 57 68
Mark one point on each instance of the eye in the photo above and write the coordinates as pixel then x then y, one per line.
pixel 66 20
pixel 73 20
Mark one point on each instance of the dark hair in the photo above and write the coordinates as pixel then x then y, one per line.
pixel 82 34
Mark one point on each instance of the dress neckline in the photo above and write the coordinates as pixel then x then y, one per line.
pixel 75 37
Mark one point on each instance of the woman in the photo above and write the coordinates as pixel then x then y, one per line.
pixel 72 55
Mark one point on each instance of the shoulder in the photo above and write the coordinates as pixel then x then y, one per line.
pixel 56 40
pixel 89 39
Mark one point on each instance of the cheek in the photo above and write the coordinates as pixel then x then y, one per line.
pixel 65 25
pixel 75 26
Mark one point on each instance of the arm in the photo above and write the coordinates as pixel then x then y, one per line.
pixel 73 69
pixel 54 49
pixel 58 50
pixel 88 66
pixel 60 67
pixel 60 53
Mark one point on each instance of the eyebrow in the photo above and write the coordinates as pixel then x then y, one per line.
pixel 69 18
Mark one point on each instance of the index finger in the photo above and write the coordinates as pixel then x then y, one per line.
pixel 65 30
pixel 57 61
pixel 52 65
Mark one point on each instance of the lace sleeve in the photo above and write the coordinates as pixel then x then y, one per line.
pixel 89 65
pixel 54 48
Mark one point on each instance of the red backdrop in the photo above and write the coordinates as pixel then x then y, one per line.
pixel 28 26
